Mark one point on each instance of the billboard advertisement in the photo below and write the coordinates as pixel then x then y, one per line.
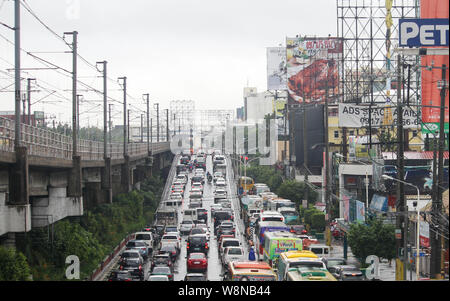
pixel 276 68
pixel 354 116
pixel 312 68
pixel 431 92
pixel 360 211
pixel 424 234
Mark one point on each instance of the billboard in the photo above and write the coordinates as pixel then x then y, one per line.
pixel 312 68
pixel 424 236
pixel 431 76
pixel 423 32
pixel 276 68
pixel 354 116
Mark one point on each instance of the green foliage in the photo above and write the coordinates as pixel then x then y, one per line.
pixel 294 191
pixel 94 235
pixel 264 174
pixel 375 238
pixel 13 265
pixel 318 221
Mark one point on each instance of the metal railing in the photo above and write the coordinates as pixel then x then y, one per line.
pixel 46 143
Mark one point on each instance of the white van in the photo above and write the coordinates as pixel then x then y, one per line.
pixel 190 214
pixel 170 204
pixel 322 251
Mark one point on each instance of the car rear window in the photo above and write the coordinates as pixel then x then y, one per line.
pixel 231 243
pixel 235 251
pixel 161 270
pixel 143 237
pixel 197 231
pixel 169 237
pixel 222 215
pixel 130 255
pixel 197 256
pixel 197 240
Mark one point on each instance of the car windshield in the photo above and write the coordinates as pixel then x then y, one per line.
pixel 161 270
pixel 187 222
pixel 351 269
pixel 235 251
pixel 171 229
pixel 143 236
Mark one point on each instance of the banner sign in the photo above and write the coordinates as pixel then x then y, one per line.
pixel 276 68
pixel 433 127
pixel 360 211
pixel 312 68
pixel 424 234
pixel 423 32
pixel 354 116
pixel 431 92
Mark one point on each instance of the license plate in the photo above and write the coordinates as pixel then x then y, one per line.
pixel 197 262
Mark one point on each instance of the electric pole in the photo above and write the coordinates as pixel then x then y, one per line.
pixel 142 128
pixel 17 137
pixel 105 110
pixel 110 125
pixel 125 148
pixel 74 91
pixel 167 125
pixel 401 209
pixel 128 125
pixel 157 122
pixel 29 99
pixel 148 122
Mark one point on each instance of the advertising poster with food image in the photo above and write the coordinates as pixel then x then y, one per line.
pixel 312 68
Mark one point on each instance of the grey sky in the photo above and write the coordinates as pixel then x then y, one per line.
pixel 204 50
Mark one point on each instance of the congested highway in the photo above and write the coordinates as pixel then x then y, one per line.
pixel 179 267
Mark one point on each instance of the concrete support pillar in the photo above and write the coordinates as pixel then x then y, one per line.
pixel 126 175
pixel 18 181
pixel 74 179
pixel 107 180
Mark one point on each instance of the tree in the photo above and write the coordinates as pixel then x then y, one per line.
pixel 13 265
pixel 374 238
pixel 294 191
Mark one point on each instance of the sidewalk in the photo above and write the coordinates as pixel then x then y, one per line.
pixel 387 273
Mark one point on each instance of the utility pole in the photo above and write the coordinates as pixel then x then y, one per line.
pixel 24 99
pixel 436 252
pixel 142 128
pixel 105 112
pixel 401 209
pixel 74 91
pixel 17 137
pixel 305 150
pixel 174 125
pixel 78 111
pixel 128 125
pixel 125 148
pixel 327 153
pixel 167 125
pixel 29 99
pixel 148 122
pixel 110 125
pixel 157 122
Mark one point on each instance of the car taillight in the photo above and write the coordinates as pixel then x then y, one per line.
pixel 170 276
pixel 121 267
pixel 127 279
pixel 206 245
pixel 140 267
pixel 187 246
pixel 143 248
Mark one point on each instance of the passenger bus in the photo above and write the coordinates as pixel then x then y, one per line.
pixel 309 274
pixel 293 259
pixel 275 204
pixel 290 215
pixel 267 226
pixel 279 242
pixel 250 271
pixel 246 183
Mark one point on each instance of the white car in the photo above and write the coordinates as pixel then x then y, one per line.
pixel 228 242
pixel 147 237
pixel 171 237
pixel 220 194
pixel 198 186
pixel 221 184
pixel 186 226
pixel 158 278
pixel 205 228
pixel 232 254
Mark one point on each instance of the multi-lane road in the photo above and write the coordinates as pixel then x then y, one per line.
pixel 215 268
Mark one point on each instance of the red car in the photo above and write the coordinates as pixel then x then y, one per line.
pixel 197 262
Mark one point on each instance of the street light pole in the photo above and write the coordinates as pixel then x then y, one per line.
pixel 417 227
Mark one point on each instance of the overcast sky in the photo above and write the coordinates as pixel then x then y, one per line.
pixel 201 50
